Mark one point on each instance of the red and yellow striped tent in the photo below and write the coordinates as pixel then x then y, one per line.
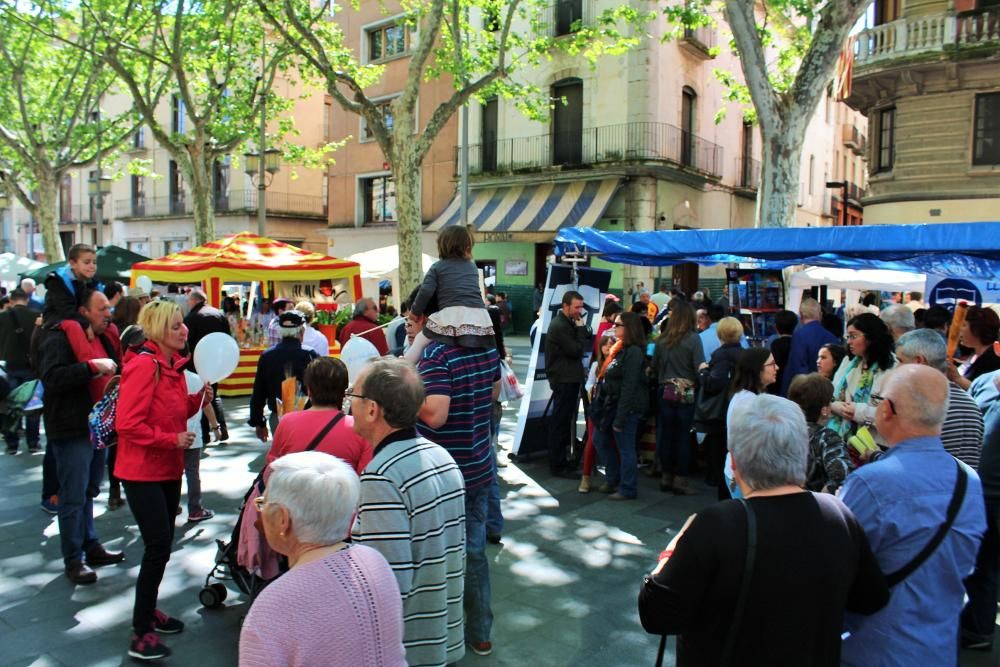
pixel 246 257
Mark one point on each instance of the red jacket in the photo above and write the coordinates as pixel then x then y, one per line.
pixel 153 407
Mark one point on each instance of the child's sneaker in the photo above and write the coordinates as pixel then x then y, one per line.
pixel 147 647
pixel 166 625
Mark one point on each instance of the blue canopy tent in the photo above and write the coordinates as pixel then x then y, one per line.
pixel 962 250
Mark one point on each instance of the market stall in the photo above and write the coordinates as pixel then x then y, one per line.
pixel 280 269
pixel 852 281
pixel 13 266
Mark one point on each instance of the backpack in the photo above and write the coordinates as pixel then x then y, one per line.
pixel 101 421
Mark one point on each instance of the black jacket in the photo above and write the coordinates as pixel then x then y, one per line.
pixel 719 375
pixel 62 297
pixel 17 324
pixel 276 363
pixel 565 345
pixel 626 385
pixel 67 402
pixel 201 321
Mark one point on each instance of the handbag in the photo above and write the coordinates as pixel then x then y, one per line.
pixel 679 390
pixel 710 411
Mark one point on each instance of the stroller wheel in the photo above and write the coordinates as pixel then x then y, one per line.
pixel 210 597
pixel 221 591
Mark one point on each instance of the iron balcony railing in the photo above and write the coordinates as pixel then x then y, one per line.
pixel 283 202
pixel 645 142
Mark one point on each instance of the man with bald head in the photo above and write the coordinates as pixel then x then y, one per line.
pixel 902 501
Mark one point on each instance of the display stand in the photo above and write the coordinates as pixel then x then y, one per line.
pixel 757 295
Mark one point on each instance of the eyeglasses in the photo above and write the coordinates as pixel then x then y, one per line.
pixel 854 336
pixel 619 323
pixel 771 364
pixel 259 503
pixel 349 395
pixel 876 399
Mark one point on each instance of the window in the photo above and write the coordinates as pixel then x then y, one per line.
pixel 177 114
pixel 66 199
pixel 488 127
pixel 378 200
pixel 220 183
pixel 747 171
pixel 138 199
pixel 385 108
pixel 139 138
pixel 387 41
pixel 886 153
pixel 327 120
pixel 170 246
pixel 324 193
pixel 491 19
pixel 567 122
pixel 568 12
pixel 91 200
pixel 140 247
pixel 812 172
pixel 176 184
pixel 688 109
pixel 986 130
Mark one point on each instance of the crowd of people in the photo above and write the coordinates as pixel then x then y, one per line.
pixel 860 482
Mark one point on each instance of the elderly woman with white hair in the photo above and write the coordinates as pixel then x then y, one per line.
pixel 339 604
pixel 769 575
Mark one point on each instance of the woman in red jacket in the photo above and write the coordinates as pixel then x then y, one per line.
pixel 153 409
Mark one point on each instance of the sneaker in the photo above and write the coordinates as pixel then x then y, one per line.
pixel 481 648
pixel 51 505
pixel 166 625
pixel 494 538
pixel 115 503
pixel 147 647
pixel 13 451
pixel 34 449
pixel 200 515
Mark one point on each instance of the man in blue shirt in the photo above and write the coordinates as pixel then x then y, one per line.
pixel 901 501
pixel 808 338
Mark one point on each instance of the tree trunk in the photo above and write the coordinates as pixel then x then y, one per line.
pixel 406 173
pixel 779 186
pixel 46 197
pixel 203 203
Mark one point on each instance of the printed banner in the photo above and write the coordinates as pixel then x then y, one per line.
pixel 944 291
pixel 532 432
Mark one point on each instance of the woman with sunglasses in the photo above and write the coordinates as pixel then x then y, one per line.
pixel 860 375
pixel 756 370
pixel 620 409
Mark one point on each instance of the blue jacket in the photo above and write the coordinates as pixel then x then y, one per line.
pixel 806 342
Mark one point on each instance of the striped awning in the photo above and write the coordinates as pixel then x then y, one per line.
pixel 545 207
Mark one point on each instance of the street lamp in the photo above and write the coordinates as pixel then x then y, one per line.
pixel 99 187
pixel 261 173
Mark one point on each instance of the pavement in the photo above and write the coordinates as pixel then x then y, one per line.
pixel 565 579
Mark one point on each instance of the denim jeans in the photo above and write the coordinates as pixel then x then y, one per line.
pixel 31 421
pixel 673 435
pixel 979 615
pixel 80 469
pixel 478 615
pixel 620 464
pixel 192 473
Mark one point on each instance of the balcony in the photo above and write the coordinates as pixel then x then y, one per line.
pixel 699 41
pixel 748 174
pixel 628 142
pixel 277 202
pixel 850 135
pixel 937 33
pixel 77 214
pixel 561 15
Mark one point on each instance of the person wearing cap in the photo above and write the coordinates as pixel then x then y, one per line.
pixel 286 359
pixel 140 294
pixel 278 306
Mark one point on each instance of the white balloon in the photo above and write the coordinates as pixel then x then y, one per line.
pixel 194 383
pixel 216 357
pixel 356 354
pixel 145 283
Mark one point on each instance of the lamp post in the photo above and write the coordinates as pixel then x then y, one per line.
pixel 261 172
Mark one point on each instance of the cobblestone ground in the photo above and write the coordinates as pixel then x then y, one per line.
pixel 565 578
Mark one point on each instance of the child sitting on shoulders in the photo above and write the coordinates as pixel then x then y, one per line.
pixel 453 281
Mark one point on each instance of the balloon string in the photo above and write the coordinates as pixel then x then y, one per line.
pixel 381 326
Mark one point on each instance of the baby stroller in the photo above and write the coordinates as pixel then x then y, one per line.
pixel 227 560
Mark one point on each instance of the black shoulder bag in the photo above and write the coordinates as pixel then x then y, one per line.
pixel 957 496
pixel 741 601
pixel 322 434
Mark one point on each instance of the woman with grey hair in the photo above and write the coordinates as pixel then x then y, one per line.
pixel 306 512
pixel 770 575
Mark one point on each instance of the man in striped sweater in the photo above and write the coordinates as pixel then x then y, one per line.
pixel 412 510
pixel 962 431
pixel 461 384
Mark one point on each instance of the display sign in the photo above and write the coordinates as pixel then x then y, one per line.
pixel 947 292
pixel 318 291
